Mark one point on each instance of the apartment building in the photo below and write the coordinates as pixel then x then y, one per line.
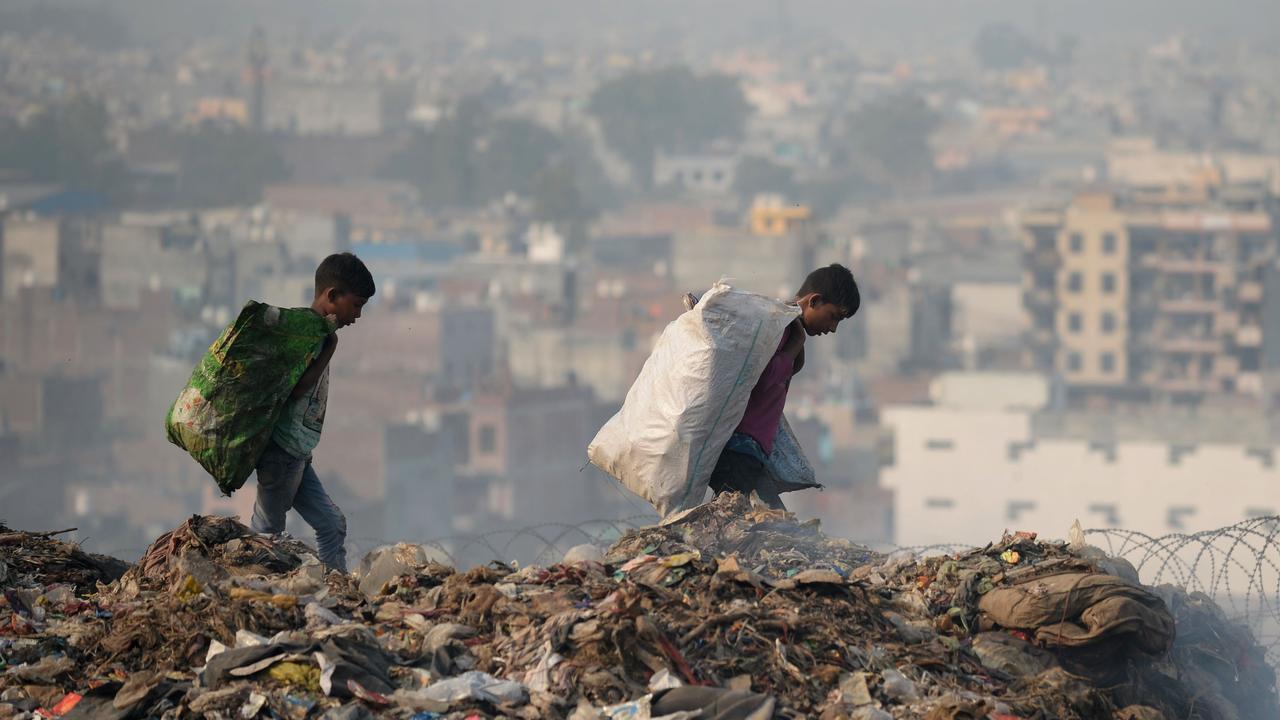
pixel 1160 293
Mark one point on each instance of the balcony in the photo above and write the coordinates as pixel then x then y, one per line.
pixel 1249 291
pixel 1145 298
pixel 1189 344
pixel 1190 266
pixel 1249 336
pixel 1226 366
pixel 1190 304
pixel 1142 343
pixel 1249 383
pixel 1186 384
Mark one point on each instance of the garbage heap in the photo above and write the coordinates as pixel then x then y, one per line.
pixel 732 611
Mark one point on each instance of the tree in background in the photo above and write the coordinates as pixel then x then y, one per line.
pixel 67 143
pixel 670 109
pixel 888 140
pixel 1001 46
pixel 227 165
pixel 558 199
pixel 472 157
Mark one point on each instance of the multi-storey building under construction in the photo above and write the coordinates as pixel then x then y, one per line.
pixel 1156 293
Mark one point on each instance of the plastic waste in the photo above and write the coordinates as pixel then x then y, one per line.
pixel 583 553
pixel 663 680
pixel 476 685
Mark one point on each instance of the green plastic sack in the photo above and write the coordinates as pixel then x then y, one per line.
pixel 225 414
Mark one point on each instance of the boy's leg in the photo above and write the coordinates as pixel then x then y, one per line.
pixel 320 512
pixel 739 472
pixel 279 475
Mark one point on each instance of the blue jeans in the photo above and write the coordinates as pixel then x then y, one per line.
pixel 286 482
pixel 743 467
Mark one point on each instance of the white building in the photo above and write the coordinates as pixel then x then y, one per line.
pixel 28 253
pixel 971 465
pixel 545 244
pixel 709 174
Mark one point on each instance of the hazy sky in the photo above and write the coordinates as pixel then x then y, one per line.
pixel 914 24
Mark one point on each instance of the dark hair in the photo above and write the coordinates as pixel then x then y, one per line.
pixel 345 272
pixel 836 285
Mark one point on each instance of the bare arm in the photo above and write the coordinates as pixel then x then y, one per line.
pixel 314 370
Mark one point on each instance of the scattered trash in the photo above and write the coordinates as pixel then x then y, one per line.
pixel 664 680
pixel 42 560
pixel 387 563
pixel 731 610
pixel 583 553
pixel 898 688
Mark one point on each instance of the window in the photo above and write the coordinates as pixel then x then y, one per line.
pixel 1108 282
pixel 1109 243
pixel 1176 519
pixel 1014 509
pixel 488 439
pixel 1074 323
pixel 1073 362
pixel 1075 282
pixel 1109 512
pixel 939 444
pixel 1077 243
pixel 1108 323
pixel 1107 361
pixel 937 503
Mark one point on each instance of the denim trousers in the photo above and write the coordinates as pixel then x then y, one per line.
pixel 286 482
pixel 745 472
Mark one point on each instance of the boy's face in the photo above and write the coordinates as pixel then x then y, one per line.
pixel 344 306
pixel 820 317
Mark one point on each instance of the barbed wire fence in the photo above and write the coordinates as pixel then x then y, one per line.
pixel 1238 567
pixel 542 544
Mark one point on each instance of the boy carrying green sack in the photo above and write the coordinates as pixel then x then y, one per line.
pixel 256 401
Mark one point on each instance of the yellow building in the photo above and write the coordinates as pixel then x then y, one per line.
pixel 771 216
pixel 218 109
pixel 1122 292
